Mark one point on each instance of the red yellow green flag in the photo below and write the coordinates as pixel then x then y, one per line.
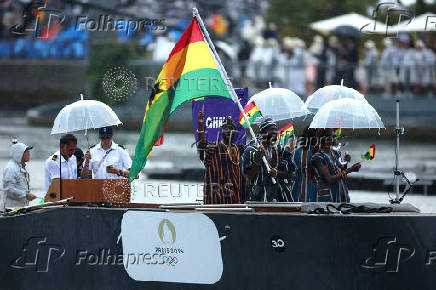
pixel 189 73
pixel 368 156
pixel 252 112
pixel 285 132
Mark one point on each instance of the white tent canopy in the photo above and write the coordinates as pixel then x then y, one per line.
pixel 351 19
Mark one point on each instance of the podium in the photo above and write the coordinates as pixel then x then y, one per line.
pixel 90 190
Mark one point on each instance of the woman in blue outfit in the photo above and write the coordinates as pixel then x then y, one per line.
pixel 329 175
pixel 304 188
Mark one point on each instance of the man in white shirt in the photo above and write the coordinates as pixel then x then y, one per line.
pixel 106 160
pixel 62 163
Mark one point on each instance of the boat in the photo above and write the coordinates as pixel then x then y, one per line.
pixel 110 244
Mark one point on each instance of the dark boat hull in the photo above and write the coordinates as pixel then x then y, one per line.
pixel 42 250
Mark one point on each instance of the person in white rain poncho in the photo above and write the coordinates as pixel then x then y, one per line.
pixel 259 61
pixel 16 178
pixel 388 72
pixel 424 68
pixel 292 65
pixel 370 63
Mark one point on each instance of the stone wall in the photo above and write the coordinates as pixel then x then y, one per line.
pixel 28 83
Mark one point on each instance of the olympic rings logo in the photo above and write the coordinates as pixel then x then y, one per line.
pixel 171 261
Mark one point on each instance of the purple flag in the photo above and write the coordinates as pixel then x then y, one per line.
pixel 216 109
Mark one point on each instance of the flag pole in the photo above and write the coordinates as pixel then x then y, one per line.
pixel 226 79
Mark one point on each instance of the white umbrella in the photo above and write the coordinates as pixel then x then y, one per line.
pixel 363 23
pixel 330 93
pixel 84 115
pixel 279 104
pixel 347 113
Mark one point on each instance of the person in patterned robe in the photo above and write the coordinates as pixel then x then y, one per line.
pixel 304 188
pixel 330 175
pixel 262 187
pixel 224 182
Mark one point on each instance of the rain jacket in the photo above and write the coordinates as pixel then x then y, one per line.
pixel 15 179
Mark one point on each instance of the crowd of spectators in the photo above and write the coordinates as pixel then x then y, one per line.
pixel 398 66
pixel 41 30
pixel 252 49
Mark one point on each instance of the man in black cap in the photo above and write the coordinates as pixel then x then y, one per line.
pixel 106 160
pixel 224 182
pixel 262 187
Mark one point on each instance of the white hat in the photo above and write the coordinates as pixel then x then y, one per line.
pixel 419 44
pixel 369 44
pixel 299 43
pixel 288 42
pixel 387 42
pixel 272 42
pixel 259 41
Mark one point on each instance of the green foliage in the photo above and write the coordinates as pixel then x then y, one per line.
pixel 103 58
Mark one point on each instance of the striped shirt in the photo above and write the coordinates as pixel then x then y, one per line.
pixel 262 188
pixel 304 188
pixel 336 192
pixel 224 182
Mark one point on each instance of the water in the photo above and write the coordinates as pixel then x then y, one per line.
pixel 177 152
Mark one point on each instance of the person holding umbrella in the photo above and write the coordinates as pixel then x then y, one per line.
pixel 16 179
pixel 330 176
pixel 106 160
pixel 262 187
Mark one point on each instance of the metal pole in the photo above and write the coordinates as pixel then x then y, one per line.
pixel 223 73
pixel 397 152
pixel 60 172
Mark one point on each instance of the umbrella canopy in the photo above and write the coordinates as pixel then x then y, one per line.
pixel 347 31
pixel 351 19
pixel 423 22
pixel 279 104
pixel 330 93
pixel 84 115
pixel 347 113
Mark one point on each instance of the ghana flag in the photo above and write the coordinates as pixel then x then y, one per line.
pixel 368 156
pixel 252 112
pixel 285 132
pixel 189 73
